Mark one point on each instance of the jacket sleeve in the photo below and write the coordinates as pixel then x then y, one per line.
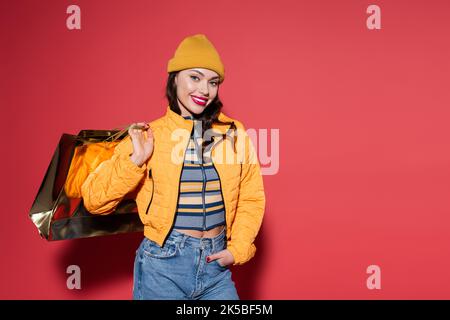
pixel 250 206
pixel 107 185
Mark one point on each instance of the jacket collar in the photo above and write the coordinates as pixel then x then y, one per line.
pixel 180 121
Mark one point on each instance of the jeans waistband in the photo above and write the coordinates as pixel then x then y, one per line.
pixel 197 242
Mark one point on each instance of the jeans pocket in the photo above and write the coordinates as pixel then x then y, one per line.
pixel 153 250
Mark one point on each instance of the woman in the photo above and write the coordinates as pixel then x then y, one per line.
pixel 197 183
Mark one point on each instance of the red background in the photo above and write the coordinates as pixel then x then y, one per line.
pixel 364 136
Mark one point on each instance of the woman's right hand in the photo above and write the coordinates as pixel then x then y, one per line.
pixel 142 146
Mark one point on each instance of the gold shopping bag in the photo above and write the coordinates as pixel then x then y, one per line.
pixel 58 211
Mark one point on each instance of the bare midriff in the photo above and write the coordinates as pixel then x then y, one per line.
pixel 202 234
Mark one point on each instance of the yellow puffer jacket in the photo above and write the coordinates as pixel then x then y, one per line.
pixel 156 182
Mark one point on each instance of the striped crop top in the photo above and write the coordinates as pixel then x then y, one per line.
pixel 200 203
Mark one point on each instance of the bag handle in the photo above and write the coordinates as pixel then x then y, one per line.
pixel 121 130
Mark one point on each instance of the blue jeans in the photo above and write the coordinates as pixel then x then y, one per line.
pixel 179 271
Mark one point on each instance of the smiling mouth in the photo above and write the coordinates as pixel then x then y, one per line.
pixel 199 101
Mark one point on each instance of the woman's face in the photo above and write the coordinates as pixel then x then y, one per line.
pixel 196 89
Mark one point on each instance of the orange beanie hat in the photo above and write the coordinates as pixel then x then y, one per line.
pixel 197 51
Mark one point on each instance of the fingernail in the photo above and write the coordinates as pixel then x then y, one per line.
pixel 207 259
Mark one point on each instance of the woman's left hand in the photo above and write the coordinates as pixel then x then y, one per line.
pixel 225 257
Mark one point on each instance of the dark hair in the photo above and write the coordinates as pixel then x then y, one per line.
pixel 208 116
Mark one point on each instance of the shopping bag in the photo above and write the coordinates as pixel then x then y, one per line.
pixel 58 211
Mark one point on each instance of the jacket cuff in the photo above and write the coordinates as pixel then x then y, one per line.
pixel 131 167
pixel 242 252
